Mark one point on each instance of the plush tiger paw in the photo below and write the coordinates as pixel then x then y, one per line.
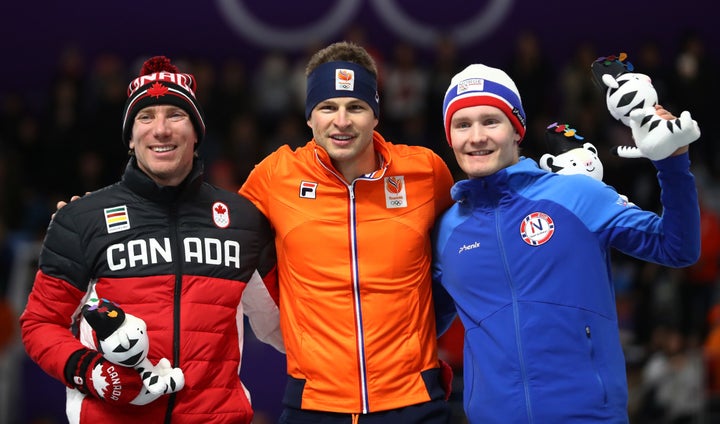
pixel 161 378
pixel 657 138
pixel 630 152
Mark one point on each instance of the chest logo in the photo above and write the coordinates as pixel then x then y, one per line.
pixel 308 189
pixel 537 228
pixel 116 219
pixel 395 192
pixel 220 214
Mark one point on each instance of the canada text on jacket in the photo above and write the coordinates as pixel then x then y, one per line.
pixel 209 251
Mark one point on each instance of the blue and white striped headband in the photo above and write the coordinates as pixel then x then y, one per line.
pixel 341 79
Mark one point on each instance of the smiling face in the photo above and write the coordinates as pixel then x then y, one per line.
pixel 164 139
pixel 343 126
pixel 483 140
pixel 581 160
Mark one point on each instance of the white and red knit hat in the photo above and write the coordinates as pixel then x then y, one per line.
pixel 160 83
pixel 482 85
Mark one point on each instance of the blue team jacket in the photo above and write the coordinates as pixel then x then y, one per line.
pixel 525 254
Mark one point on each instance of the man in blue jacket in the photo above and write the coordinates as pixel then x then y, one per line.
pixel 525 254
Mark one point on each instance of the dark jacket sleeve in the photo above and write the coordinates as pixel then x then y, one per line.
pixel 260 298
pixel 53 301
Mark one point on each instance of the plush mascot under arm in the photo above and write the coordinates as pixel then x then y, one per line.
pixel 569 154
pixel 631 98
pixel 122 339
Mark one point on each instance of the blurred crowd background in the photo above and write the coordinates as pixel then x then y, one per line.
pixel 63 137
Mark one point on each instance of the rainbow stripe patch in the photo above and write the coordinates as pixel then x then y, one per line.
pixel 116 219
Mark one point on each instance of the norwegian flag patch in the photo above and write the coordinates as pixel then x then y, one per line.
pixel 537 228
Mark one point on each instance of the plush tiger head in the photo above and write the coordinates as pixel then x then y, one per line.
pixel 625 90
pixel 569 154
pixel 121 338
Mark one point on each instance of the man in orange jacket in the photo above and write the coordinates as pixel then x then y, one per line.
pixel 352 215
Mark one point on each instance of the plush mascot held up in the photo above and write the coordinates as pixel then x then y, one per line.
pixel 122 339
pixel 630 98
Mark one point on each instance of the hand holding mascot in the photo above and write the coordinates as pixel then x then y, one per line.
pixel 122 339
pixel 630 98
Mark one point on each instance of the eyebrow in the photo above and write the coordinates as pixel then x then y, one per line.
pixel 482 115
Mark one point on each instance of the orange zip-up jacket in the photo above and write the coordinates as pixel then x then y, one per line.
pixel 356 308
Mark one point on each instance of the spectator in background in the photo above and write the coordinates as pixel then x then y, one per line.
pixel 694 87
pixel 446 63
pixel 699 288
pixel 673 381
pixel 243 147
pixel 532 72
pixel 406 86
pixel 711 352
pixel 272 92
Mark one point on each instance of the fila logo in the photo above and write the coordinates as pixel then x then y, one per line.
pixel 307 189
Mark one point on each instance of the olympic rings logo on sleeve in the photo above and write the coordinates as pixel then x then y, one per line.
pixel 249 26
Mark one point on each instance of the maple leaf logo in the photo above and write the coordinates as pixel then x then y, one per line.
pixel 220 214
pixel 157 90
pixel 99 381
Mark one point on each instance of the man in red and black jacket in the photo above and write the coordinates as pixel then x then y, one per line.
pixel 186 257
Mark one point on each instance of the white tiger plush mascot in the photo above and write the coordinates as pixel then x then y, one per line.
pixel 631 98
pixel 568 153
pixel 122 339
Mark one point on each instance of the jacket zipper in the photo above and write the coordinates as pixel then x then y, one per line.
pixel 591 346
pixel 364 401
pixel 177 251
pixel 516 316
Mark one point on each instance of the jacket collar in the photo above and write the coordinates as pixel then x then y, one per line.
pixel 381 150
pixel 489 189
pixel 140 183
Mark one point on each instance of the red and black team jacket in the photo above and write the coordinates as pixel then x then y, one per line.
pixel 178 257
